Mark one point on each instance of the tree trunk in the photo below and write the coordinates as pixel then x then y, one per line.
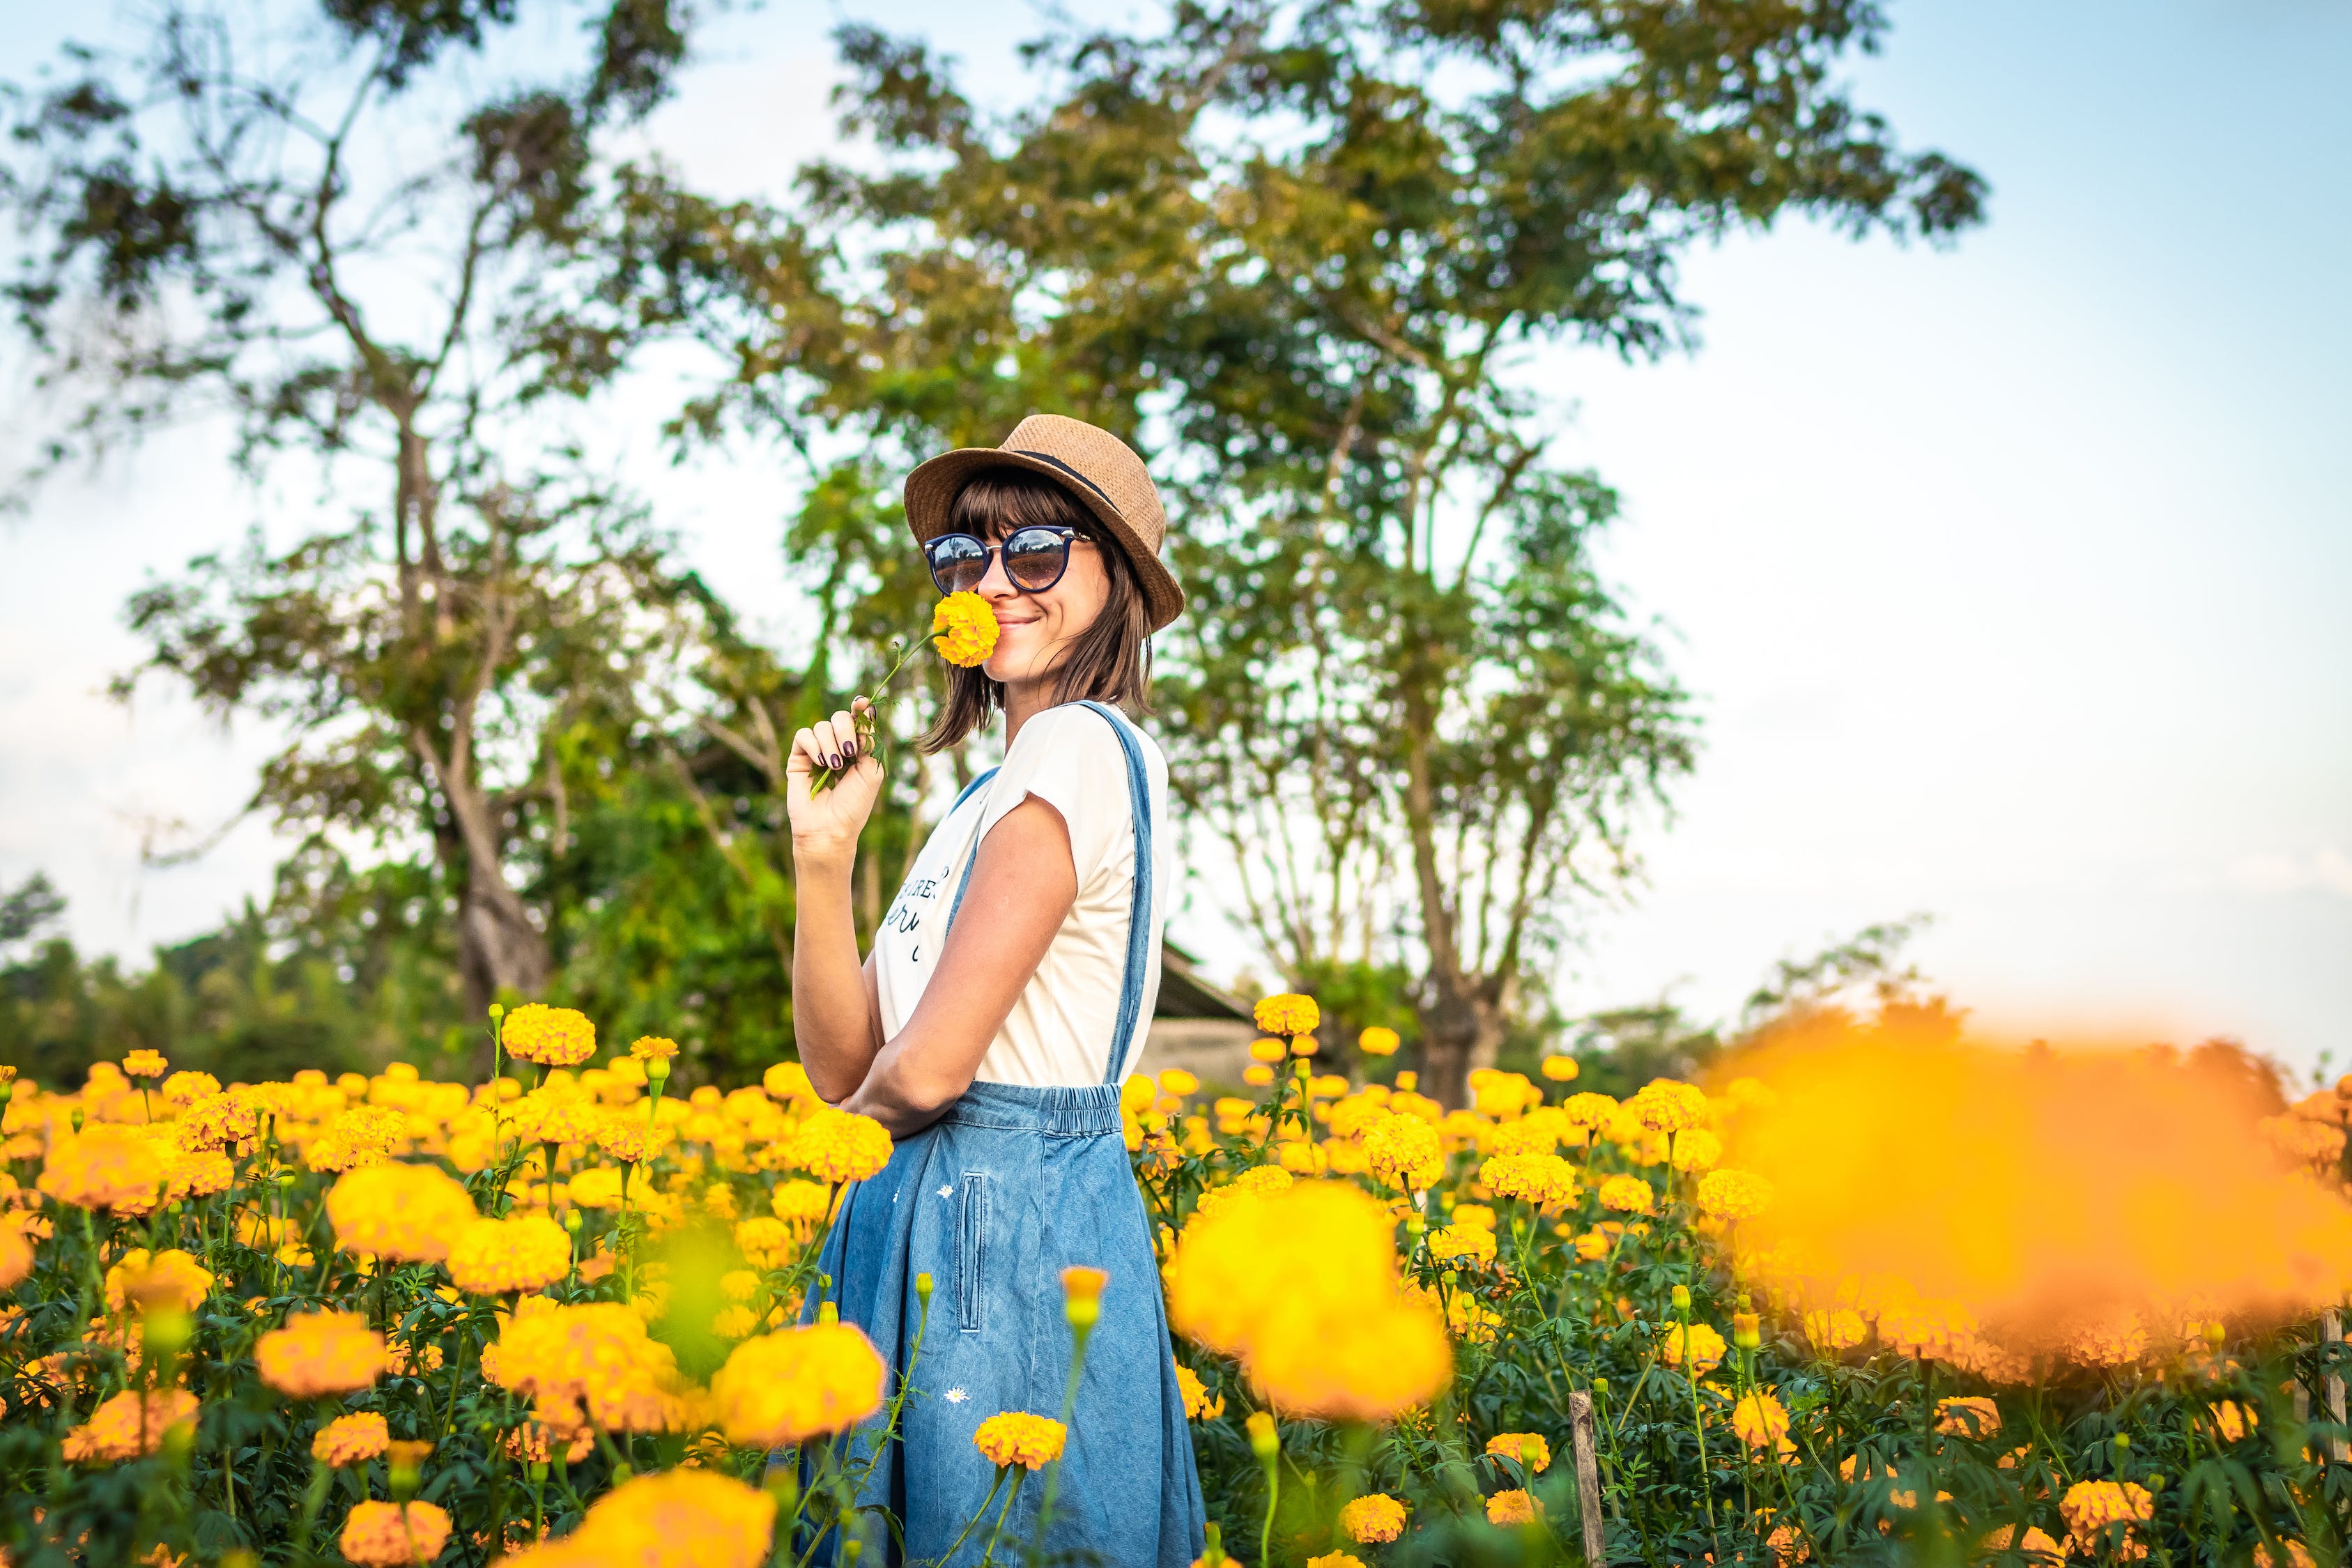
pixel 498 947
pixel 1461 1030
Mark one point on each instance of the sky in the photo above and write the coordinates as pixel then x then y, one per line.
pixel 2011 579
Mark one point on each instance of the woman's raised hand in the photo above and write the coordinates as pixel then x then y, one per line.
pixel 825 823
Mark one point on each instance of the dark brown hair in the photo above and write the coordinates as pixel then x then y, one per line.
pixel 1110 661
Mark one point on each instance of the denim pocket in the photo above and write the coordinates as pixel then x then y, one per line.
pixel 972 1250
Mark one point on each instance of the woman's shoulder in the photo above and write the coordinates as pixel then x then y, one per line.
pixel 1074 727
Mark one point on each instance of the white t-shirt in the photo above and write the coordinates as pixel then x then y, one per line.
pixel 1060 1029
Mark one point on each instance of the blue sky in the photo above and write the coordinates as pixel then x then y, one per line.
pixel 2011 578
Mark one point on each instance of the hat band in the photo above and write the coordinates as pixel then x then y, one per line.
pixel 1049 458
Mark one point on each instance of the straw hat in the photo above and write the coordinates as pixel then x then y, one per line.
pixel 1096 466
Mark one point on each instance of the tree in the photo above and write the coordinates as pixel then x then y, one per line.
pixel 1303 253
pixel 322 235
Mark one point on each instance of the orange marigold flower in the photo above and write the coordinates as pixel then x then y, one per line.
pixel 185 1088
pixel 964 628
pixel 693 1518
pixel 399 1212
pixel 104 1166
pixel 841 1146
pixel 1530 1448
pixel 2038 1547
pixel 350 1440
pixel 1015 1438
pixel 393 1535
pixel 144 1064
pixel 170 1278
pixel 797 1384
pixel 1373 1520
pixel 319 1353
pixel 1198 1405
pixel 1626 1194
pixel 16 1253
pixel 220 1121
pixel 1512 1507
pixel 552 1036
pixel 2292 1554
pixel 594 1357
pixel 123 1429
pixel 624 1135
pixel 2089 1507
pixel 1287 1014
pixel 652 1047
pixel 523 1252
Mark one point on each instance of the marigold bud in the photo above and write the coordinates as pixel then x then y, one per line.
pixel 1266 1442
pixel 1682 1298
pixel 1747 1332
pixel 924 1287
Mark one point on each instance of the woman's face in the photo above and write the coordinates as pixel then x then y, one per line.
pixel 1034 631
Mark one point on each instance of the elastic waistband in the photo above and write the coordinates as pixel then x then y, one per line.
pixel 1016 1106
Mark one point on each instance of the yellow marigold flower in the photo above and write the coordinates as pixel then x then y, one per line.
pixel 1545 1179
pixel 1014 1438
pixel 2117 1342
pixel 797 1384
pixel 1968 1417
pixel 1336 1560
pixel 1197 1403
pixel 2231 1421
pixel 1373 1520
pixel 1696 1149
pixel 1367 1364
pixel 2294 1555
pixel 220 1121
pixel 1512 1507
pixel 1317 1242
pixel 1666 1105
pixel 765 1243
pixel 624 1135
pixel 552 1036
pixel 523 1252
pixel 2089 1507
pixel 185 1088
pixel 1728 1193
pixel 964 628
pixel 653 1047
pixel 1698 1347
pixel 318 1353
pixel 1835 1329
pixel 594 1355
pixel 1287 1014
pixel 693 1518
pixel 361 1136
pixel 1377 1041
pixel 1626 1194
pixel 788 1080
pixel 1267 1049
pixel 1758 1421
pixel 1463 1241
pixel 350 1440
pixel 1179 1082
pixel 1404 1151
pixel 1561 1070
pixel 15 1255
pixel 596 1188
pixel 169 1279
pixel 123 1429
pixel 1594 1246
pixel 801 1203
pixel 104 1166
pixel 1530 1448
pixel 841 1146
pixel 144 1064
pixel 1588 1109
pixel 1258 1074
pixel 398 1212
pixel 393 1535
pixel 1256 1182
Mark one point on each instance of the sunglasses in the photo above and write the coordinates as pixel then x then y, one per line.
pixel 1034 559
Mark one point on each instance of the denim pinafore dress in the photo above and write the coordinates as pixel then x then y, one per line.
pixel 994 1201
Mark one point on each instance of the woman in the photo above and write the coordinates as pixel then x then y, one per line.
pixel 1006 997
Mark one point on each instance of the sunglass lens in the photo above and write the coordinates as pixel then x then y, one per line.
pixel 958 563
pixel 1034 557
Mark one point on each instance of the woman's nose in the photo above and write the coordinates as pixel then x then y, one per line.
pixel 995 583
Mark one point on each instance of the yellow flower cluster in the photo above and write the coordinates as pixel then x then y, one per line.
pixel 965 629
pixel 1734 1194
pixel 797 1384
pixel 588 1362
pixel 678 1518
pixel 319 1353
pixel 1373 1520
pixel 552 1036
pixel 1015 1438
pixel 350 1440
pixel 169 1280
pixel 2090 1508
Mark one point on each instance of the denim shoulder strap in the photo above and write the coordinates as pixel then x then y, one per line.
pixel 972 850
pixel 1138 914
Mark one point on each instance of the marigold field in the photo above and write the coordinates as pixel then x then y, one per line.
pixel 1875 1296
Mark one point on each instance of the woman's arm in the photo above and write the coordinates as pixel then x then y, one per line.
pixel 1022 886
pixel 835 1019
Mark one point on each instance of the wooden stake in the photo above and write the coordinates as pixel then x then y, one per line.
pixel 2331 1331
pixel 1587 1478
